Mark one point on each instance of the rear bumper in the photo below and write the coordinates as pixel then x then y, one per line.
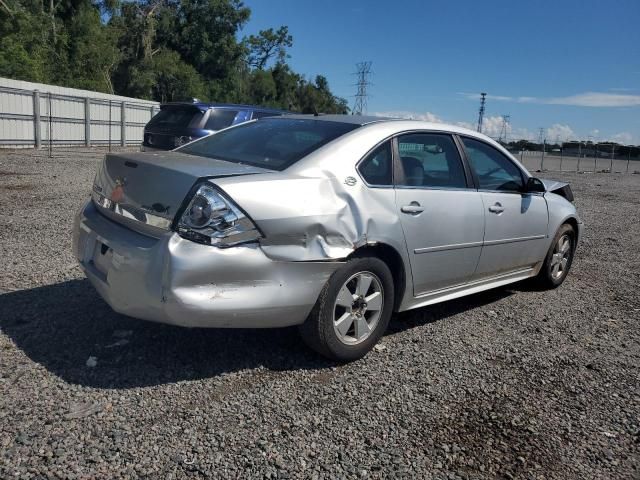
pixel 176 281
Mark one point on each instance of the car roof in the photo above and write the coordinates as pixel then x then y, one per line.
pixel 352 119
pixel 207 105
pixel 400 123
pixel 373 130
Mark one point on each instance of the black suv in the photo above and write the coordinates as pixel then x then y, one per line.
pixel 178 123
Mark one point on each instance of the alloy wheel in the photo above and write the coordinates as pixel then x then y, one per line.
pixel 358 308
pixel 561 256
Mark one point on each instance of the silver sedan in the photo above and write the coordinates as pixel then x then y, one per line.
pixel 332 223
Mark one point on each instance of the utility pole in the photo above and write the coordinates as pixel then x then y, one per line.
pixel 360 105
pixel 481 111
pixel 504 130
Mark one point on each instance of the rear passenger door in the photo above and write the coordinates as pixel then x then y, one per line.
pixel 440 210
pixel 515 222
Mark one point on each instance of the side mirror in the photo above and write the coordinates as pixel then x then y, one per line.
pixel 534 185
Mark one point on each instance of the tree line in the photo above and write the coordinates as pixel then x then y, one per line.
pixel 164 50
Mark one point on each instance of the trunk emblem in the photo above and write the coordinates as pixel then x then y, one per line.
pixel 117 194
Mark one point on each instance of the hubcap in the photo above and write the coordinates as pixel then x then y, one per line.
pixel 560 258
pixel 358 307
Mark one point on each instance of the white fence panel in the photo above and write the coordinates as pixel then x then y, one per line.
pixel 68 116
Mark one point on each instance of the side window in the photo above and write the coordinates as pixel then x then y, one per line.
pixel 493 169
pixel 220 118
pixel 261 114
pixel 376 167
pixel 430 160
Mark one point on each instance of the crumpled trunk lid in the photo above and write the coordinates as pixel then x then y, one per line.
pixel 148 189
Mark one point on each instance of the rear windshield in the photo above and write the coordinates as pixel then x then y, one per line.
pixel 175 116
pixel 273 143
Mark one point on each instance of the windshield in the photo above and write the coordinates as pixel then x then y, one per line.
pixel 273 143
pixel 175 116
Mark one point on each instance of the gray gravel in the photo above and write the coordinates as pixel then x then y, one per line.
pixel 513 383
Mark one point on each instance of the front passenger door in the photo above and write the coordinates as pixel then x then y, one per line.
pixel 515 222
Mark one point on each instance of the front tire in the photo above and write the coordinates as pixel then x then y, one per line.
pixel 559 258
pixel 352 311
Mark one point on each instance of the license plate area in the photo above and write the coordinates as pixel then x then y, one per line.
pixel 102 257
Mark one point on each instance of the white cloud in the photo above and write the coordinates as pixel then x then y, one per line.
pixel 587 99
pixel 426 116
pixel 523 134
pixel 467 125
pixel 623 137
pixel 560 132
pixel 596 99
pixel 476 96
pixel 492 126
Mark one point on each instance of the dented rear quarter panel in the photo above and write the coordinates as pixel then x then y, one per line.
pixel 310 212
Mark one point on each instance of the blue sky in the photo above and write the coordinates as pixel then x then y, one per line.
pixel 572 67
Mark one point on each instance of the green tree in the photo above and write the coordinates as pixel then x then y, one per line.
pixel 205 35
pixel 156 49
pixel 92 51
pixel 266 45
pixel 26 52
pixel 262 88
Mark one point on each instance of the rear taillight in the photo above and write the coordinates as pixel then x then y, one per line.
pixel 213 219
pixel 183 140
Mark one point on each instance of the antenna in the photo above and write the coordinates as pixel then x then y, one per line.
pixel 481 111
pixel 504 130
pixel 541 135
pixel 364 70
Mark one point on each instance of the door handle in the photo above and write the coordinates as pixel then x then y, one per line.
pixel 413 208
pixel 496 208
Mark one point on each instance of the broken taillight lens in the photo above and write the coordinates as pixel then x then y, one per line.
pixel 213 219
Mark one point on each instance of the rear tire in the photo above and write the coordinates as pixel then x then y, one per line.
pixel 352 311
pixel 559 258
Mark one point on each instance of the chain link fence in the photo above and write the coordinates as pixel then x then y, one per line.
pixel 626 160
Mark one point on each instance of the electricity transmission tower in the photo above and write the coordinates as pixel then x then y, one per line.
pixel 360 105
pixel 481 111
pixel 504 129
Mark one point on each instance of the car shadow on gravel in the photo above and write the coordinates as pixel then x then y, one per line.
pixel 61 326
pixel 440 311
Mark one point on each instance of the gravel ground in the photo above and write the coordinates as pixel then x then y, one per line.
pixel 512 383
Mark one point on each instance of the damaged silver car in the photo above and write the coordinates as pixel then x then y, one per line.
pixel 332 223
